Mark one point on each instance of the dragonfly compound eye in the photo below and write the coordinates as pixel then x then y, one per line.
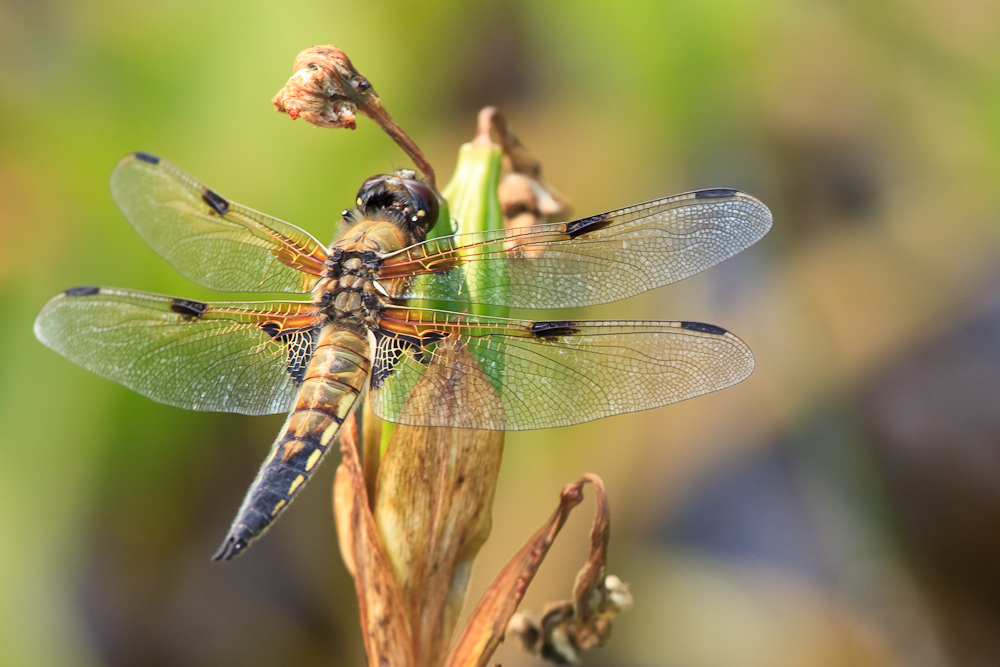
pixel 400 192
pixel 424 209
pixel 371 189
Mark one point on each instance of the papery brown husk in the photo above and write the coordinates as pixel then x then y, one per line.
pixel 411 557
pixel 434 501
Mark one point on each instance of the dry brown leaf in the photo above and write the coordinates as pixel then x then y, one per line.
pixel 486 626
pixel 384 625
pixel 589 597
pixel 371 443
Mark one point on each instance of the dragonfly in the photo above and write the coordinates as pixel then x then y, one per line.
pixel 362 330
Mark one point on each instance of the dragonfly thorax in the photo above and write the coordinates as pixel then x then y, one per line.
pixel 351 295
pixel 349 290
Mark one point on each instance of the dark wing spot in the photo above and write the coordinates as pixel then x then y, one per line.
pixel 385 361
pixel 216 201
pixel 429 337
pixel 272 329
pixel 188 308
pixel 715 193
pixel 703 328
pixel 591 224
pixel 147 157
pixel 82 291
pixel 300 344
pixel 553 329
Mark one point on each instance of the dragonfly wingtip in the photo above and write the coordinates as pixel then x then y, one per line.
pixel 146 157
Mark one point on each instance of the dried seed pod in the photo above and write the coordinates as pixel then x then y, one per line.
pixel 569 627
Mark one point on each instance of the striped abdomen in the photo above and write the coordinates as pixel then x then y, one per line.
pixel 332 382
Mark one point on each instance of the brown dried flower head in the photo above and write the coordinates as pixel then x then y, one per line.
pixel 326 90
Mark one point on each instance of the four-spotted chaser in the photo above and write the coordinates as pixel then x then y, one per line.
pixel 314 358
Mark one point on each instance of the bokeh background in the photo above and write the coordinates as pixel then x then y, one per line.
pixel 841 507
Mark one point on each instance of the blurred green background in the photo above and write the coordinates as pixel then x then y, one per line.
pixel 841 507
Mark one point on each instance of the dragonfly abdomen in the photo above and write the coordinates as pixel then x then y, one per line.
pixel 332 383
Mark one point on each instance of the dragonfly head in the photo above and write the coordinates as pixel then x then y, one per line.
pixel 400 196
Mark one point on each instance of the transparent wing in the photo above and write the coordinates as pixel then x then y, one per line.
pixel 223 357
pixel 545 374
pixel 585 262
pixel 213 241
